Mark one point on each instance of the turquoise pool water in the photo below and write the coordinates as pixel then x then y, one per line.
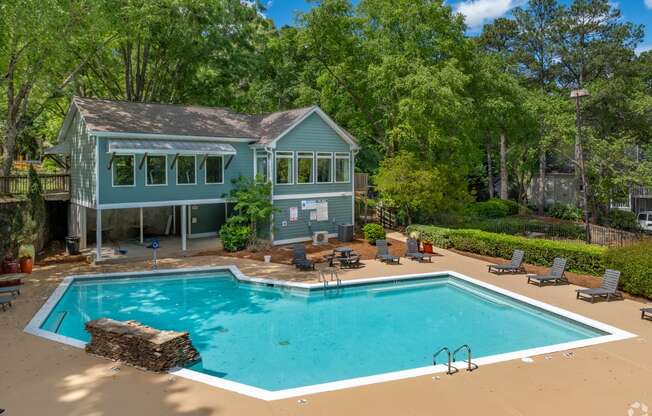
pixel 275 338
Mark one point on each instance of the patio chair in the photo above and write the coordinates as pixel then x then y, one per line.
pixel 413 252
pixel 6 301
pixel 646 313
pixel 608 289
pixel 382 253
pixel 352 261
pixel 13 290
pixel 299 258
pixel 515 266
pixel 556 275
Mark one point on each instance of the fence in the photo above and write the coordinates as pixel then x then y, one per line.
pixel 19 184
pixel 361 181
pixel 389 218
pixel 605 236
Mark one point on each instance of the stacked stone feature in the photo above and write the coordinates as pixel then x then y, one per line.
pixel 140 346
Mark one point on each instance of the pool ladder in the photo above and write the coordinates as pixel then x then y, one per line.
pixel 334 277
pixel 451 358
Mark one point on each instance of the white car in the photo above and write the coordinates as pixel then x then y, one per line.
pixel 645 220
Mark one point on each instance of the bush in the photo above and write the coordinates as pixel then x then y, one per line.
pixel 582 258
pixel 635 264
pixel 522 226
pixel 622 220
pixel 493 208
pixel 373 232
pixel 564 212
pixel 437 236
pixel 235 235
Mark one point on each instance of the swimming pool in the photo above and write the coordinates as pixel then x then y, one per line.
pixel 272 339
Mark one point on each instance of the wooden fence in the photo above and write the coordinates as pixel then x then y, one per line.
pixel 19 184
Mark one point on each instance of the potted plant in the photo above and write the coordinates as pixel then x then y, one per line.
pixel 427 246
pixel 9 264
pixel 26 254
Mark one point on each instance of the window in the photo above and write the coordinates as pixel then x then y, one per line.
pixel 324 167
pixel 305 167
pixel 342 167
pixel 186 174
pixel 261 166
pixel 284 162
pixel 124 170
pixel 156 170
pixel 214 170
pixel 642 217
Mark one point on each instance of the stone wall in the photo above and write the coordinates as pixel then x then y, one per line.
pixel 140 346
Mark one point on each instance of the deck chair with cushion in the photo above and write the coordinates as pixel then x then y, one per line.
pixel 608 289
pixel 299 258
pixel 515 266
pixel 382 253
pixel 13 290
pixel 555 276
pixel 414 253
pixel 6 301
pixel 646 313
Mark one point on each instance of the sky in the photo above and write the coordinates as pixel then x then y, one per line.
pixel 478 12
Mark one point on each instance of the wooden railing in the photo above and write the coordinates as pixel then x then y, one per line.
pixel 361 182
pixel 19 184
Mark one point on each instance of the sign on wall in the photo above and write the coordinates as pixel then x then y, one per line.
pixel 308 204
pixel 294 214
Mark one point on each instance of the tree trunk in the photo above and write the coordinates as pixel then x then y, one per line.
pixel 541 197
pixel 503 167
pixel 490 175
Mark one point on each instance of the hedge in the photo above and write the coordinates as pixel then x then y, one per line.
pixel 582 258
pixel 493 208
pixel 373 232
pixel 635 265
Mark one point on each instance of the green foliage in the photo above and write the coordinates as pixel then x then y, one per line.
pixel 27 251
pixel 622 220
pixel 582 258
pixel 373 232
pixel 522 226
pixel 235 235
pixel 493 208
pixel 253 202
pixel 634 263
pixel 564 212
pixel 437 236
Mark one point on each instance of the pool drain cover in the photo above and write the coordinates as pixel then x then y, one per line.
pixel 284 343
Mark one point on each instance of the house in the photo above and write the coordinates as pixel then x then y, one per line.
pixel 174 165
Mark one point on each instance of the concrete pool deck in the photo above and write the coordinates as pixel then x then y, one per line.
pixel 38 376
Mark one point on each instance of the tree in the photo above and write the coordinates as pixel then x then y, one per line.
pixel 253 202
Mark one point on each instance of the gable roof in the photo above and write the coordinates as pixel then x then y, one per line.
pixel 125 117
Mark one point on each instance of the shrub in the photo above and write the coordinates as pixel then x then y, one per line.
pixel 622 220
pixel 493 208
pixel 373 232
pixel 564 212
pixel 582 258
pixel 437 236
pixel 235 235
pixel 635 264
pixel 522 226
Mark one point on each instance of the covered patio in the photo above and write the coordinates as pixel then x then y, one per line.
pixel 170 246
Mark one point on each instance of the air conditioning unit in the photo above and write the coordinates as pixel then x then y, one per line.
pixel 319 238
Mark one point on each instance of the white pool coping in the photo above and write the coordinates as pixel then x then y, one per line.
pixel 614 334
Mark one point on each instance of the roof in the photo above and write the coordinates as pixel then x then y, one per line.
pixel 107 116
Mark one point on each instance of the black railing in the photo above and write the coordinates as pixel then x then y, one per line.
pixel 19 184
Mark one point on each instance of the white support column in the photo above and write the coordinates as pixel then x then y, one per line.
pixel 184 223
pixel 98 235
pixel 174 220
pixel 142 240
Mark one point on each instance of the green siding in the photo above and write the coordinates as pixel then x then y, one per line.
pixel 312 135
pixel 209 217
pixel 339 212
pixel 82 162
pixel 242 164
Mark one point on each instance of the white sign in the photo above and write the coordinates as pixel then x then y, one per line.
pixel 322 211
pixel 313 215
pixel 309 204
pixel 294 214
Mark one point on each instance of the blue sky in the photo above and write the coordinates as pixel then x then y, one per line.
pixel 479 12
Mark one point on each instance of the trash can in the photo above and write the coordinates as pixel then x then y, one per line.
pixel 72 245
pixel 345 232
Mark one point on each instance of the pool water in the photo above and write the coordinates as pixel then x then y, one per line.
pixel 276 338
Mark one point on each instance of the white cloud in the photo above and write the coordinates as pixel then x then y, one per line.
pixel 643 48
pixel 648 4
pixel 479 12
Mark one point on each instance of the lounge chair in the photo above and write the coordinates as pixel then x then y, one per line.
pixel 646 313
pixel 6 301
pixel 413 251
pixel 515 266
pixel 14 290
pixel 556 275
pixel 382 253
pixel 609 288
pixel 352 261
pixel 299 258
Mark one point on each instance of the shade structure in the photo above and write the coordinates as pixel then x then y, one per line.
pixel 170 146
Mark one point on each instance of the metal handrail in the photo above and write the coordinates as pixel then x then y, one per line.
pixel 470 365
pixel 451 368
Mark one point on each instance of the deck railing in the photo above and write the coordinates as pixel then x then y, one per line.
pixel 19 184
pixel 642 191
pixel 361 181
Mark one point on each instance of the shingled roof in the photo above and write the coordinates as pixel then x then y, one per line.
pixel 148 118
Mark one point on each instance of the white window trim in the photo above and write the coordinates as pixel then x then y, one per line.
pixel 206 171
pixel 314 169
pixel 341 156
pixel 133 157
pixel 147 175
pixel 258 154
pixel 322 155
pixel 176 167
pixel 284 155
